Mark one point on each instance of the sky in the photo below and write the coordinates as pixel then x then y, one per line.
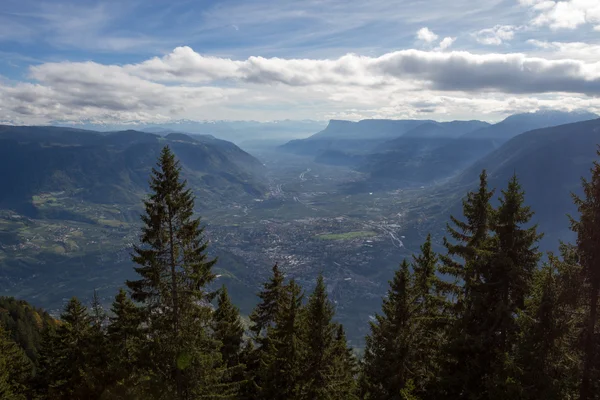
pixel 154 61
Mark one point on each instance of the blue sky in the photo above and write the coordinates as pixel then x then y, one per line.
pixel 154 60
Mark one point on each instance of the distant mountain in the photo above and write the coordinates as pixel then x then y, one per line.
pixel 113 168
pixel 351 137
pixel 367 129
pixel 549 163
pixel 430 159
pixel 519 123
pixel 452 129
pixel 234 131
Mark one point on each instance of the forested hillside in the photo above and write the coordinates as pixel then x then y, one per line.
pixel 484 319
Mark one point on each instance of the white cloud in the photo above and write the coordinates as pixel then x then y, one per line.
pixel 496 35
pixel 597 28
pixel 446 43
pixel 509 73
pixel 567 14
pixel 185 84
pixel 426 35
pixel 569 50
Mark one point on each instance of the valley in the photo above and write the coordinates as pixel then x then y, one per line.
pixel 59 238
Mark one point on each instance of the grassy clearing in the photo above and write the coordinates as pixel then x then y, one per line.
pixel 347 235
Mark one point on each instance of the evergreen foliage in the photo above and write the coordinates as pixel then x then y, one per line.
pixel 483 321
pixel 281 369
pixel 588 239
pixel 182 360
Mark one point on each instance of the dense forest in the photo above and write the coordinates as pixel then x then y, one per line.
pixel 490 318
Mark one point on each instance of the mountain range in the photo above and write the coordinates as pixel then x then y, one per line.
pixel 113 167
pixel 423 152
pixel 246 133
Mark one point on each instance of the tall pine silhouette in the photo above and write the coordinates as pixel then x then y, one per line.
pixel 174 270
pixel 588 246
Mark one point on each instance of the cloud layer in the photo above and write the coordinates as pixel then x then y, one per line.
pixel 184 83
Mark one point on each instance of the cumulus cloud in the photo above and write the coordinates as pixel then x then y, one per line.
pixel 567 14
pixel 496 35
pixel 509 73
pixel 187 84
pixel 568 50
pixel 426 35
pixel 446 43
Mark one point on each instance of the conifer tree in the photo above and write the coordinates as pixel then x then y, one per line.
pixel 386 366
pixel 262 317
pixel 174 270
pixel 429 319
pixel 228 329
pixel 319 364
pixel 588 239
pixel 547 354
pixel 270 296
pixel 64 364
pixel 281 370
pixel 96 352
pixel 125 338
pixel 345 368
pixel 15 369
pixel 506 284
pixel 468 356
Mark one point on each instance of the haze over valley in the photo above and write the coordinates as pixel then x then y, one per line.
pixel 70 212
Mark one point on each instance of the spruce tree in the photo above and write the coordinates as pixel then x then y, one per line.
pixel 65 365
pixel 506 284
pixel 547 355
pixel 345 368
pixel 15 369
pixel 228 329
pixel 386 366
pixel 174 270
pixel 125 337
pixel 262 318
pixel 319 363
pixel 281 368
pixel 468 355
pixel 97 351
pixel 429 319
pixel 588 239
pixel 270 296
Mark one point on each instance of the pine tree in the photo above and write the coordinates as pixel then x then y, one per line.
pixel 469 241
pixel 588 239
pixel 228 329
pixel 125 337
pixel 174 270
pixel 345 368
pixel 262 317
pixel 429 319
pixel 386 366
pixel 281 369
pixel 319 375
pixel 264 314
pixel 547 353
pixel 506 284
pixel 468 355
pixel 15 369
pixel 64 364
pixel 97 352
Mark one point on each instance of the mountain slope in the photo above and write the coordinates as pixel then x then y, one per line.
pixel 114 167
pixel 549 163
pixel 443 159
pixel 519 123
